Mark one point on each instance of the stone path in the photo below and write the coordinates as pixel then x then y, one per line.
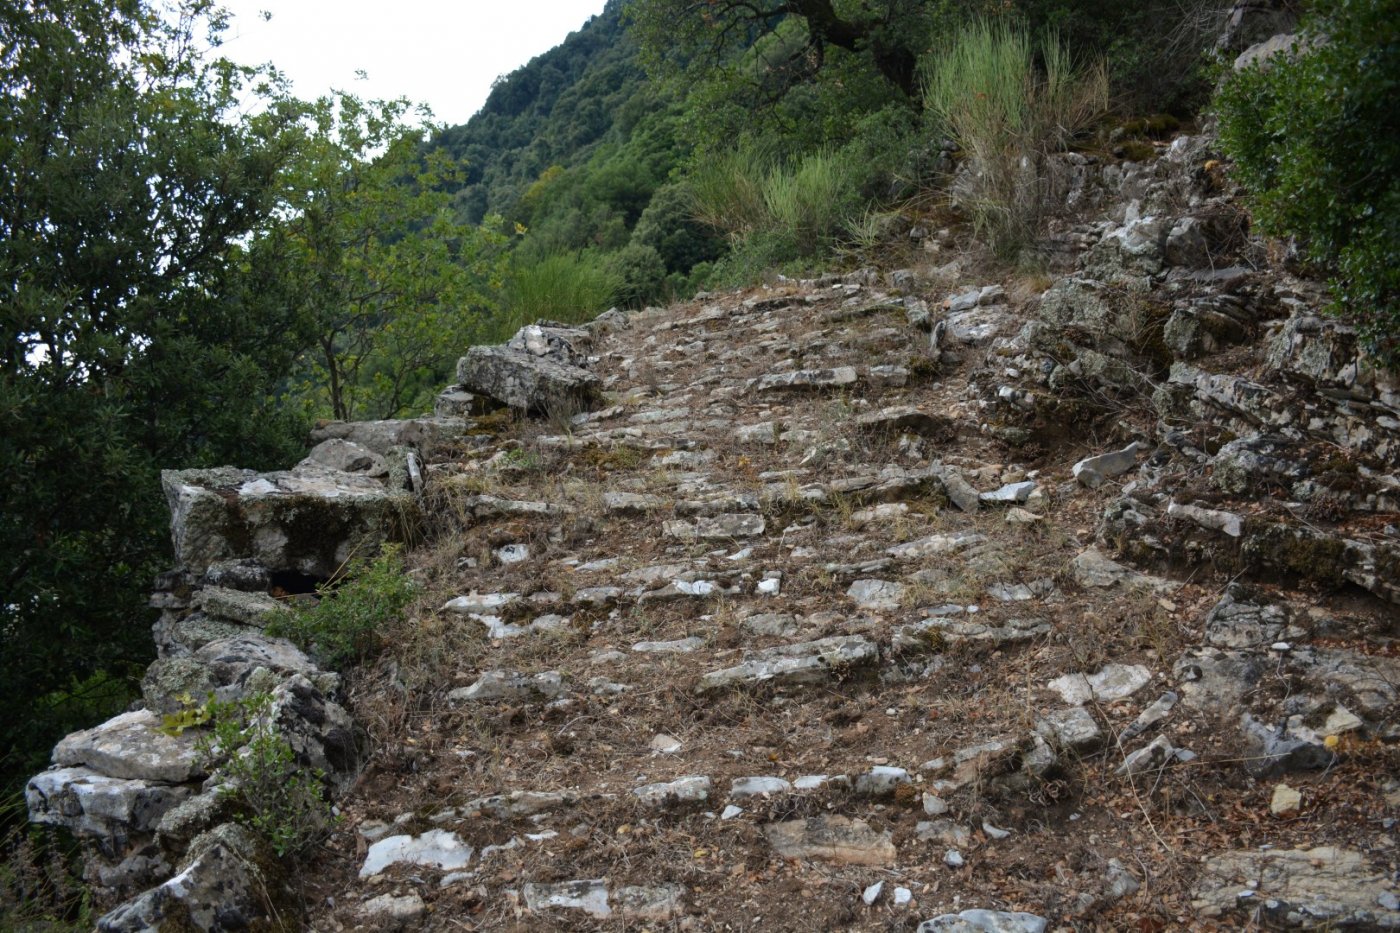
pixel 891 602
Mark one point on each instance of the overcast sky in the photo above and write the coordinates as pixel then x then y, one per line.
pixel 438 52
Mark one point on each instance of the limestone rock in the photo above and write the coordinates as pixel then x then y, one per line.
pixel 800 663
pixel 1152 757
pixel 132 746
pixel 758 787
pixel 1092 568
pixel 347 457
pixel 1285 800
pixel 429 436
pixel 1016 493
pixel 527 382
pixel 876 594
pixel 1072 729
pixel 95 805
pixel 831 838
pixel 1112 682
pixel 936 544
pixel 1237 621
pixel 391 911
pixel 436 848
pixel 1092 471
pixel 232 660
pixel 222 885
pixel 509 685
pixel 709 527
pixel 932 634
pixel 904 418
pixel 650 902
pixel 1274 749
pixel 836 378
pixel 959 491
pixel 1212 519
pixel 984 921
pixel 591 897
pixel 690 789
pixel 568 346
pixel 1323 887
pixel 310 520
pixel 251 609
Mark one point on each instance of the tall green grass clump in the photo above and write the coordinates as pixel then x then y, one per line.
pixel 726 190
pixel 774 211
pixel 812 202
pixel 1006 114
pixel 561 287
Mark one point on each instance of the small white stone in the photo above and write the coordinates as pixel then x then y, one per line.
pixel 758 786
pixel 730 812
pixel 872 893
pixel 665 745
pixel 770 587
pixel 953 858
pixel 513 553
pixel 1286 800
pixel 1341 720
pixel 993 831
pixel 902 896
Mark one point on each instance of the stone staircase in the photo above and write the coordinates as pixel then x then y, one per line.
pixel 864 602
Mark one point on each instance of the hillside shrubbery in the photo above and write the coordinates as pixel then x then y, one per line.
pixel 1313 136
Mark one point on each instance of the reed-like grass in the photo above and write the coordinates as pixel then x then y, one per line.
pixel 561 287
pixel 787 209
pixel 1006 114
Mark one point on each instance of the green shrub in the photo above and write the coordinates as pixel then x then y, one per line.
pixel 562 287
pixel 640 272
pixel 668 226
pixel 1313 136
pixel 1007 115
pixel 275 797
pixel 345 625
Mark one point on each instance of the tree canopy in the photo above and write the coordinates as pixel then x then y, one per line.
pixel 192 264
pixel 888 32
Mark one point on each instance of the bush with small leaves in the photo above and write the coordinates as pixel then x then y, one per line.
pixel 275 796
pixel 1312 135
pixel 345 625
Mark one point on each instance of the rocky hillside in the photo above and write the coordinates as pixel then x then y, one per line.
pixel 932 598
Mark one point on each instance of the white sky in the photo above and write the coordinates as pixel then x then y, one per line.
pixel 438 52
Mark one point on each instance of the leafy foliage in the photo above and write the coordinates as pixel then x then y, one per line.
pixel 346 624
pixel 136 335
pixel 276 797
pixel 1313 137
pixel 374 259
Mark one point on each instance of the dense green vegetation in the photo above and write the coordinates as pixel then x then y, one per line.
pixel 1313 136
pixel 186 280
pixel 600 147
